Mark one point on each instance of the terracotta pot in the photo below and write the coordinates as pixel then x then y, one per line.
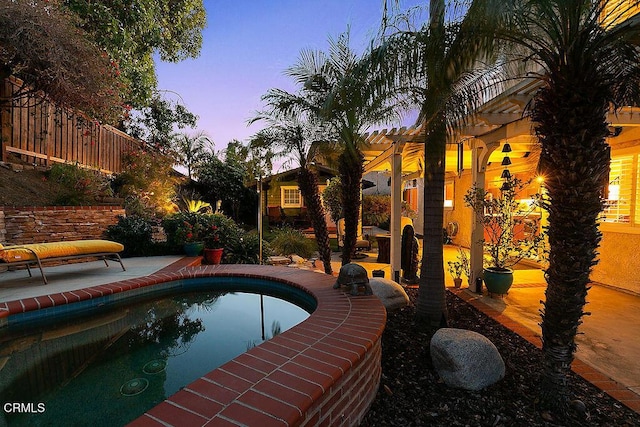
pixel 457 282
pixel 213 256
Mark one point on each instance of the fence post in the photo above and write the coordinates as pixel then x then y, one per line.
pixel 5 117
pixel 50 132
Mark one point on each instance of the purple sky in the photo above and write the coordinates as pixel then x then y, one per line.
pixel 248 44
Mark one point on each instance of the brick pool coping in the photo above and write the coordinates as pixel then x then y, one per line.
pixel 323 371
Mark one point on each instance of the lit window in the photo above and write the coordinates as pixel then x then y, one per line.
pixel 448 194
pixel 620 195
pixel 290 197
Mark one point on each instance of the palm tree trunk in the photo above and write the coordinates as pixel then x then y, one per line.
pixel 350 169
pixel 570 121
pixel 309 189
pixel 431 307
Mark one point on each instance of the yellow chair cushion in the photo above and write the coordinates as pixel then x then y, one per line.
pixel 58 249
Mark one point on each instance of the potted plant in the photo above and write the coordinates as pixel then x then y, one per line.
pixel 213 247
pixel 511 230
pixel 459 267
pixel 191 237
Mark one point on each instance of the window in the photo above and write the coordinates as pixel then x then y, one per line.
pixel 448 194
pixel 290 197
pixel 622 191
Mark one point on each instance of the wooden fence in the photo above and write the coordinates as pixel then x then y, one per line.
pixel 38 132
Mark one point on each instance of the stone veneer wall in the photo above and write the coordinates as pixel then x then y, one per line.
pixel 3 231
pixel 21 225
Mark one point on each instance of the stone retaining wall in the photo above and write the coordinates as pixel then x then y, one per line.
pixel 21 225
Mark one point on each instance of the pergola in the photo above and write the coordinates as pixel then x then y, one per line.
pixel 475 145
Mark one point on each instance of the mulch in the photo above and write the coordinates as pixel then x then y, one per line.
pixel 411 394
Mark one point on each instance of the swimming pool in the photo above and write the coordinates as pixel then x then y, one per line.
pixel 325 370
pixel 118 363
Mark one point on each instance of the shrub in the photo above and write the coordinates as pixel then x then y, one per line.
pixel 288 241
pixel 147 183
pixel 376 209
pixel 332 199
pixel 245 249
pixel 78 186
pixel 134 232
pixel 227 230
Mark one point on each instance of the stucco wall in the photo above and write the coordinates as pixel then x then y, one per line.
pixel 619 261
pixel 460 213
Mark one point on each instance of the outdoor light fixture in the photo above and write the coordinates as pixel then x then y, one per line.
pixel 506 161
pixel 506 148
pixel 505 174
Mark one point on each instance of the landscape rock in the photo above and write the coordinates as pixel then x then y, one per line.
pixel 466 359
pixel 391 294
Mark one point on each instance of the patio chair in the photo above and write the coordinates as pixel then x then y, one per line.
pixel 361 244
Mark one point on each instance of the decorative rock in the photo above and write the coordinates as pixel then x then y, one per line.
pixel 391 294
pixel 466 359
pixel 354 277
pixel 297 259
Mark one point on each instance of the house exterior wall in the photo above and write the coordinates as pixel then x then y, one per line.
pixel 382 183
pixel 459 213
pixel 618 262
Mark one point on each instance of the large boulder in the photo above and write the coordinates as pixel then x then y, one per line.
pixel 391 294
pixel 466 359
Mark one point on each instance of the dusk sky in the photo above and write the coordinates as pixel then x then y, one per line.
pixel 246 48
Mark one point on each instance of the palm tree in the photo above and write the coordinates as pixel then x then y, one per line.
pixel 438 67
pixel 191 149
pixel 289 130
pixel 588 63
pixel 339 90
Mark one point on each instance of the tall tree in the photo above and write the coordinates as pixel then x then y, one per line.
pixel 222 180
pixel 257 158
pixel 587 55
pixel 294 132
pixel 338 88
pixel 438 67
pixel 42 45
pixel 157 122
pixel 190 150
pixel 131 31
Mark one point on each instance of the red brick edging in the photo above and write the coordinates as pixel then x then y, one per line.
pixel 595 377
pixel 324 371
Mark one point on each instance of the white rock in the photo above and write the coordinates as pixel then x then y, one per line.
pixel 466 359
pixel 391 294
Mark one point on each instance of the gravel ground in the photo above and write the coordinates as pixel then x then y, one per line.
pixel 411 393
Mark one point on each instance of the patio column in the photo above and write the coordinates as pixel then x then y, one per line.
pixel 396 213
pixel 480 152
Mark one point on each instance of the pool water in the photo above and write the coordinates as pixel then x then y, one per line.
pixel 109 369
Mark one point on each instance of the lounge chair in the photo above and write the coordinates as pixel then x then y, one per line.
pixel 37 253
